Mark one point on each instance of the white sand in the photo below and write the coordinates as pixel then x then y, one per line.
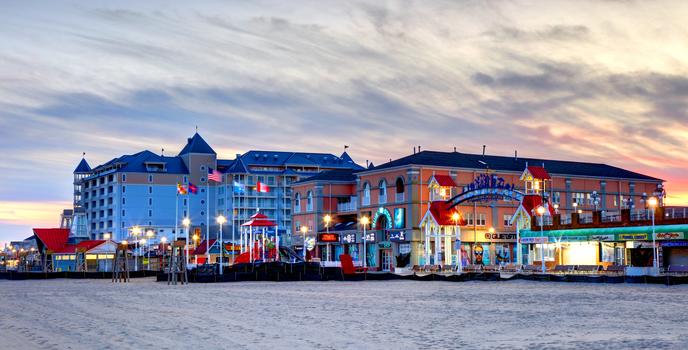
pixel 95 314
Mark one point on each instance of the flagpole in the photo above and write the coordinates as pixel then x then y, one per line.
pixel 207 217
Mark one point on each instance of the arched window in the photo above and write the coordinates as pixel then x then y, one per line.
pixel 365 200
pixel 400 190
pixel 309 201
pixel 297 203
pixel 382 198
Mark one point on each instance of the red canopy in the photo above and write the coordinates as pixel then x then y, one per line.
pixel 445 180
pixel 87 245
pixel 54 239
pixel 443 215
pixel 259 219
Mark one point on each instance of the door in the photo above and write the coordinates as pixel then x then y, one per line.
pixel 386 259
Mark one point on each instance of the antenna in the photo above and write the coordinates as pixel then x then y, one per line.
pixel 162 153
pixel 196 128
pixel 515 155
pixel 83 155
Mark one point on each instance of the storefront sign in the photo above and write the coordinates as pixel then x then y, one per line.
pixel 593 238
pixel 349 238
pixel 485 188
pixel 675 244
pixel 670 235
pixel 500 236
pixel 370 237
pixel 328 237
pixel 633 236
pixel 397 236
pixel 385 245
pixel 602 238
pixel 534 240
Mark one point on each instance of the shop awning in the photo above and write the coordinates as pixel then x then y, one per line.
pixel 595 234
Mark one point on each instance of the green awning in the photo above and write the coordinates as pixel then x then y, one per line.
pixel 608 233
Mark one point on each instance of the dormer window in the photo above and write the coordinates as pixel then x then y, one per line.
pixel 440 187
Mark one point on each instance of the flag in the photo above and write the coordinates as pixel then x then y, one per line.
pixel 238 188
pixel 181 189
pixel 260 187
pixel 214 175
pixel 192 188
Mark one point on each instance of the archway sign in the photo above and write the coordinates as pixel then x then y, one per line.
pixel 486 188
pixel 382 212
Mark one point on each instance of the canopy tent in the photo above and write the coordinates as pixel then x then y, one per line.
pixel 608 233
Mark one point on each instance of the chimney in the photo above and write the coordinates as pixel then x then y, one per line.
pixel 516 156
pixel 418 148
pixel 367 163
pixel 484 150
pixel 414 149
pixel 454 149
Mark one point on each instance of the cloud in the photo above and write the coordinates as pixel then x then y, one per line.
pixel 557 80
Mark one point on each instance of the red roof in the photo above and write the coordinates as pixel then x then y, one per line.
pixel 87 245
pixel 200 250
pixel 53 238
pixel 259 219
pixel 532 201
pixel 443 215
pixel 445 180
pixel 539 173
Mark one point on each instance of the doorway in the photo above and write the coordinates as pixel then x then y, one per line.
pixel 386 259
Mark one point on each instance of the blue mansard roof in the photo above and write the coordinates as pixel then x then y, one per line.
pixel 83 167
pixel 196 144
pixel 137 163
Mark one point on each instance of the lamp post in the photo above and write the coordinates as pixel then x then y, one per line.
pixel 163 240
pixel 186 223
pixel 595 199
pixel 195 240
pixel 365 221
pixel 136 231
pixel 327 220
pixel 652 204
pixel 304 230
pixel 556 208
pixel 106 236
pixel 149 235
pixel 459 263
pixel 144 242
pixel 541 212
pixel 221 221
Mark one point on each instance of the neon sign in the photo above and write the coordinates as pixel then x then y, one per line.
pixel 328 237
pixel 383 212
pixel 487 188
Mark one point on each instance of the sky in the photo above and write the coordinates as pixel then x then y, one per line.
pixel 597 81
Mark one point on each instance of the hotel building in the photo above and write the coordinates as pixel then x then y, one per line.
pixel 140 190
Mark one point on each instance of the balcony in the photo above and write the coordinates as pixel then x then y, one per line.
pixel 346 207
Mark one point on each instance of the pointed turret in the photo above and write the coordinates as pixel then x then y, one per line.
pixel 83 167
pixel 346 158
pixel 196 144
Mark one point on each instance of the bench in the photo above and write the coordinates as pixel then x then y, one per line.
pixel 615 269
pixel 511 268
pixel 491 268
pixel 678 270
pixel 531 269
pixel 563 269
pixel 588 268
pixel 472 268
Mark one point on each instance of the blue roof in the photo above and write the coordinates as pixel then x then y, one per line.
pixel 473 161
pixel 136 163
pixel 83 167
pixel 337 175
pixel 196 144
pixel 276 158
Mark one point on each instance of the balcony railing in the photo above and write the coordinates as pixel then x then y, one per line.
pixel 346 207
pixel 672 213
pixel 399 197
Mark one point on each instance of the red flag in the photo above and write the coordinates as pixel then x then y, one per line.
pixel 192 188
pixel 260 187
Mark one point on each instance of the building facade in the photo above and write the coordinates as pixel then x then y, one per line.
pixel 396 196
pixel 140 190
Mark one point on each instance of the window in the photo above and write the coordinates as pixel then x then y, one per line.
pixel 507 220
pixel 109 212
pixel 221 201
pixel 110 200
pixel 124 189
pixel 150 189
pixel 123 213
pixel 150 213
pixel 365 200
pixel 150 201
pixel 124 200
pixel 202 167
pixel 549 252
pixel 110 189
pixel 578 197
pixel 185 202
pixel 202 213
pixel 382 198
pixel 202 201
pixel 556 197
pixel 110 178
pixel 399 186
pixel 481 220
pixel 124 178
pixel 297 203
pixel 309 201
pixel 186 179
pixel 202 180
pixel 150 178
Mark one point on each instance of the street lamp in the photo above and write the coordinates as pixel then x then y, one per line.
pixel 304 230
pixel 327 220
pixel 541 212
pixel 161 260
pixel 144 242
pixel 107 236
pixel 459 263
pixel 652 203
pixel 365 221
pixel 221 221
pixel 136 231
pixel 195 239
pixel 556 208
pixel 150 235
pixel 186 223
